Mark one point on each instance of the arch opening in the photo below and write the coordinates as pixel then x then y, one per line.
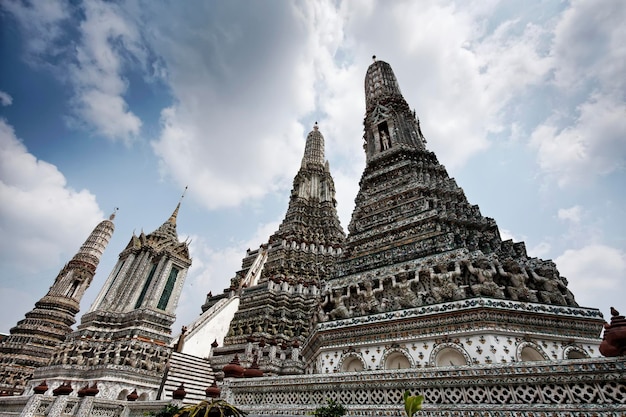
pixel 352 365
pixel 397 361
pixel 530 354
pixel 450 357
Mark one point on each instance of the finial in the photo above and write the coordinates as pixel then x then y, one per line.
pixel 112 216
pixel 172 218
pixel 374 58
pixel 315 127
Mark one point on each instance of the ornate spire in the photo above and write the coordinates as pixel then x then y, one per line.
pixel 91 251
pixel 33 339
pixel 314 148
pixel 380 84
pixel 169 227
pixel 311 215
pixel 298 257
pixel 389 123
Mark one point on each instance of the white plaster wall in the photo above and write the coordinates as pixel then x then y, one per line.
pixel 485 348
pixel 211 325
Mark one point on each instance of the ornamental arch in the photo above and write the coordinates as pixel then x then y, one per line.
pixel 449 354
pixel 396 358
pixel 530 352
pixel 122 394
pixel 575 352
pixel 352 362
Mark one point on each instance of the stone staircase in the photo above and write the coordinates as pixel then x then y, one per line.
pixel 194 372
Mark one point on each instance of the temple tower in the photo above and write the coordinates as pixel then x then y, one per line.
pixel 122 342
pixel 416 248
pixel 279 283
pixel 33 340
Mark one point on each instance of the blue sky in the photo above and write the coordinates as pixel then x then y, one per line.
pixel 124 103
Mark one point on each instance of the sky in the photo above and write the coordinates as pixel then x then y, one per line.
pixel 108 104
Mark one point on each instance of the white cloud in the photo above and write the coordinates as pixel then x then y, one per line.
pixel 321 64
pixel 93 65
pixel 589 45
pixel 506 234
pixel 595 145
pixel 595 273
pixel 106 38
pixel 42 220
pixel 585 136
pixel 234 132
pixel 41 22
pixel 573 214
pixel 41 214
pixel 540 250
pixel 5 99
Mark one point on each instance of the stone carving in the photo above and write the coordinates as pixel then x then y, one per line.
pixel 548 284
pixel 368 297
pixel 337 299
pixel 407 297
pixel 484 271
pixel 443 281
pixel 516 276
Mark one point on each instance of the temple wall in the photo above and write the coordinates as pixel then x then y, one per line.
pixel 587 387
pixel 593 387
pixel 212 325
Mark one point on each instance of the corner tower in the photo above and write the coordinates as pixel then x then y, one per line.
pixel 33 340
pixel 122 342
pixel 279 283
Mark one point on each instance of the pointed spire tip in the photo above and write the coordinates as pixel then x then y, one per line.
pixel 112 216
pixel 172 218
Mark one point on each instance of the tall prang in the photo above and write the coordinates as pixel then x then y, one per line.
pixel 32 341
pixel 279 283
pixel 123 340
pixel 417 248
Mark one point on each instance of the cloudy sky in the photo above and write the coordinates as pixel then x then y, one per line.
pixel 108 104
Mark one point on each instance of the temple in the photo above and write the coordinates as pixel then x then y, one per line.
pixel 422 295
pixel 123 341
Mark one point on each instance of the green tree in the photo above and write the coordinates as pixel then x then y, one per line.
pixel 214 407
pixel 169 410
pixel 333 409
pixel 412 403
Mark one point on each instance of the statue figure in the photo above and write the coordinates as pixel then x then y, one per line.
pixel 484 272
pixel 518 290
pixel 549 291
pixel 443 283
pixel 407 298
pixel 567 294
pixel 339 311
pixel 368 301
pixel 322 315
pixel 384 140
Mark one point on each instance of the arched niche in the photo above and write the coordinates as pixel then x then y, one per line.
pixel 122 395
pixel 574 352
pixel 450 356
pixel 530 352
pixel 143 397
pixel 352 363
pixel 397 360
